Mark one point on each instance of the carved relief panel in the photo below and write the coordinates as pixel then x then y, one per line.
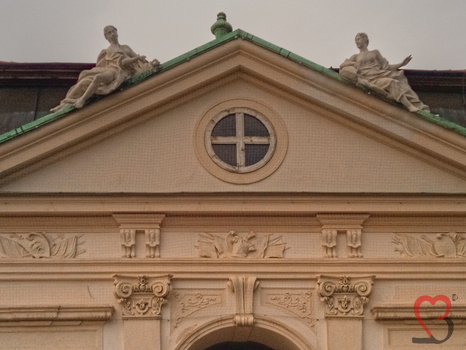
pixel 442 245
pixel 40 246
pixel 236 245
pixel 297 302
pixel 186 303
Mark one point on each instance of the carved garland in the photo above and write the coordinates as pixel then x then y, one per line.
pixel 344 296
pixel 142 296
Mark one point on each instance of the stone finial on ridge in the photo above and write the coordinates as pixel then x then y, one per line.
pixel 221 27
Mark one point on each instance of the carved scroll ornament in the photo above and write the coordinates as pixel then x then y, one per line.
pixel 297 302
pixel 189 302
pixel 344 296
pixel 39 246
pixel 142 296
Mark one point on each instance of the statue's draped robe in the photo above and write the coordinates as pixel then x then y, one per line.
pixel 373 71
pixel 110 59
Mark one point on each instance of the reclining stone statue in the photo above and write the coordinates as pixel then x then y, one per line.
pixel 371 70
pixel 114 65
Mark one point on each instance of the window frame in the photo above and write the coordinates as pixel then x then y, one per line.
pixel 240 140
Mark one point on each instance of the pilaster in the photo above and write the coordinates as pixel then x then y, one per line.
pixel 142 298
pixel 344 298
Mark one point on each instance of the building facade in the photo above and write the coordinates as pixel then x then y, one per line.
pixel 241 197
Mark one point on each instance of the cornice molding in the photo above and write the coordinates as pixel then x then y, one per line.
pixel 341 221
pixel 394 312
pixel 203 269
pixel 56 313
pixel 226 203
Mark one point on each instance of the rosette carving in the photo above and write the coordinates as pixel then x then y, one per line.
pixel 345 296
pixel 142 296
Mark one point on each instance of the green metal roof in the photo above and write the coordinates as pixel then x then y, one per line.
pixel 234 35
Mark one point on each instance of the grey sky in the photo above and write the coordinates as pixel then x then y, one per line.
pixel 433 31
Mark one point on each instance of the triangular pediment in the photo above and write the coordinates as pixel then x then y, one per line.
pixel 334 137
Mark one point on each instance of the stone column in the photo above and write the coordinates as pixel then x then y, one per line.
pixel 344 298
pixel 142 298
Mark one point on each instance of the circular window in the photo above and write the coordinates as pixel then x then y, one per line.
pixel 241 144
pixel 240 140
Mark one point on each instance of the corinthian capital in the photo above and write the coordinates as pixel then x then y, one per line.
pixel 344 296
pixel 142 296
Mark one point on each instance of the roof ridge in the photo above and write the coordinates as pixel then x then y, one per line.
pixel 234 35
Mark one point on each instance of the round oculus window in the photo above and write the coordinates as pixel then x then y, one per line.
pixel 240 145
pixel 240 140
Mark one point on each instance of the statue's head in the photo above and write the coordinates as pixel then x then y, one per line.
pixel 109 29
pixel 362 36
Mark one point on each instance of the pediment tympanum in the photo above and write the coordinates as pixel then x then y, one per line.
pixel 143 139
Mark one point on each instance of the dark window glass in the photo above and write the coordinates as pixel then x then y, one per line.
pixel 239 346
pixel 253 142
pixel 254 127
pixel 255 153
pixel 227 153
pixel 225 127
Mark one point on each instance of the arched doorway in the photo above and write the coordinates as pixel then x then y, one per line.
pixel 239 346
pixel 222 334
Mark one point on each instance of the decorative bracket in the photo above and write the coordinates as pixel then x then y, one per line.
pixel 131 225
pixel 333 224
pixel 244 288
pixel 344 296
pixel 142 296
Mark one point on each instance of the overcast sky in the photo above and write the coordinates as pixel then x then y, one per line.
pixel 433 31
